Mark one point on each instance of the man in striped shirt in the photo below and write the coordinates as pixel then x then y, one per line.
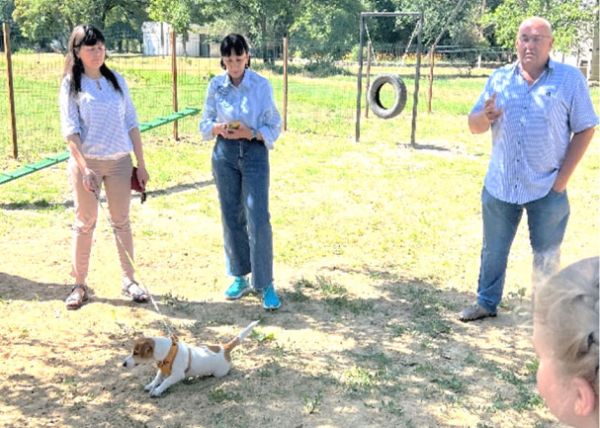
pixel 542 121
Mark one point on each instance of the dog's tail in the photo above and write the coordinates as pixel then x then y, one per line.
pixel 236 341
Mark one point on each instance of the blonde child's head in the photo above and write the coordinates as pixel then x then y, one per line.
pixel 565 336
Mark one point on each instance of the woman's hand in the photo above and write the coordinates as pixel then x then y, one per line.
pixel 238 131
pixel 142 176
pixel 220 129
pixel 90 180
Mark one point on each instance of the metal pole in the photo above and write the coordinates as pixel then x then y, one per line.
pixel 174 81
pixel 359 82
pixel 369 49
pixel 413 130
pixel 11 92
pixel 285 82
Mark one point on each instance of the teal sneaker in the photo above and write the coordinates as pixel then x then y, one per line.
pixel 270 299
pixel 238 288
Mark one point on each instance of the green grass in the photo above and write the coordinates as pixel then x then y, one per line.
pixel 376 247
pixel 219 395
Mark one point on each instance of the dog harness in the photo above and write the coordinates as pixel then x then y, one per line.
pixel 166 365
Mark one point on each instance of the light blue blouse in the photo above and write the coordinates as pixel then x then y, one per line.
pixel 251 102
pixel 101 116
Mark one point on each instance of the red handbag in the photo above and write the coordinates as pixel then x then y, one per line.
pixel 137 186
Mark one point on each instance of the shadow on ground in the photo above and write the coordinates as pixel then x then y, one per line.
pixel 43 204
pixel 394 359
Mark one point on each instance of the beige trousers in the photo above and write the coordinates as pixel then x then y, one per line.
pixel 115 175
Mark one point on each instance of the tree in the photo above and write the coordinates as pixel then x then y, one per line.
pixel 177 13
pixel 262 20
pixel 45 21
pixel 326 31
pixel 461 30
pixel 572 20
pixel 6 10
pixel 122 25
pixel 40 21
pixel 386 30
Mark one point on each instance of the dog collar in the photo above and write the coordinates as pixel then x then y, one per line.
pixel 166 365
pixel 189 364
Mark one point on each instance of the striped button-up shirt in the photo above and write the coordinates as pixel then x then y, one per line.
pixel 251 103
pixel 101 116
pixel 531 138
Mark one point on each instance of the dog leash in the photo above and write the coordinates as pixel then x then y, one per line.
pixel 143 286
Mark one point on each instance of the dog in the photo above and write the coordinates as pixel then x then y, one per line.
pixel 177 360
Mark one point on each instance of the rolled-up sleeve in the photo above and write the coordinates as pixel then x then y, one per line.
pixel 69 111
pixel 270 119
pixel 209 115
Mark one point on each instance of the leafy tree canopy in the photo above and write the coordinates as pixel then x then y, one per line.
pixel 571 20
pixel 42 21
pixel 327 30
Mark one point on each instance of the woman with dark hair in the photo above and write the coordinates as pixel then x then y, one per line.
pixel 99 123
pixel 240 112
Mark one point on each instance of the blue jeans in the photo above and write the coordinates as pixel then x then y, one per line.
pixel 547 220
pixel 241 172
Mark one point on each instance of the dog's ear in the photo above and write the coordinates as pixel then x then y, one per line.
pixel 147 349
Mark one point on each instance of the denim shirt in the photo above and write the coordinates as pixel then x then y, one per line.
pixel 251 102
pixel 531 137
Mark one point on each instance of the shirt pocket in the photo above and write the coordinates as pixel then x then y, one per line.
pixel 554 108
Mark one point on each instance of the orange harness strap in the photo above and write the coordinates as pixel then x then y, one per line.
pixel 166 365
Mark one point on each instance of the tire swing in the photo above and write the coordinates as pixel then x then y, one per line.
pixel 373 96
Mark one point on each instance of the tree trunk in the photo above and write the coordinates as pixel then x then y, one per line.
pixel 263 38
pixel 595 67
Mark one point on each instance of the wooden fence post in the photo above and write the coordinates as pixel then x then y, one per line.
pixel 368 83
pixel 11 92
pixel 285 82
pixel 431 64
pixel 174 82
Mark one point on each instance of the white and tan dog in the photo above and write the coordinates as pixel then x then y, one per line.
pixel 177 360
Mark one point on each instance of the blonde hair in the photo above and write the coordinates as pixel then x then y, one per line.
pixel 566 312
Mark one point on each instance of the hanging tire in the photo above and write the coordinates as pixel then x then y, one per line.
pixel 373 96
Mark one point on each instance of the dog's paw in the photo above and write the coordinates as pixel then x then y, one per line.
pixel 149 387
pixel 156 392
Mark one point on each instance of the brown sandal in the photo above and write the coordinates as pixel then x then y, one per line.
pixel 135 292
pixel 79 295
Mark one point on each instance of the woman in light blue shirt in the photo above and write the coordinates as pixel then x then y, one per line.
pixel 99 123
pixel 240 112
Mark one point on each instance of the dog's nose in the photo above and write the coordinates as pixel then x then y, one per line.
pixel 124 363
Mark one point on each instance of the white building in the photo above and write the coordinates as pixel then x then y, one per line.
pixel 157 36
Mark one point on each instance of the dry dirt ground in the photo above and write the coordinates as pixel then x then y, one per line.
pixel 362 345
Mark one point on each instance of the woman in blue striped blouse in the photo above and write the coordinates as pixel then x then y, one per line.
pixel 241 114
pixel 99 123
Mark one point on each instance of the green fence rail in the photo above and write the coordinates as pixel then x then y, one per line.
pixel 5 177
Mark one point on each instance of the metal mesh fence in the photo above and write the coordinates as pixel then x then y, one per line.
pixel 36 81
pixel 321 94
